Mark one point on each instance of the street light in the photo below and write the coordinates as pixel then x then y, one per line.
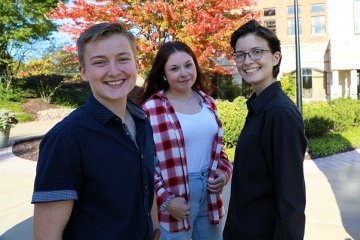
pixel 298 64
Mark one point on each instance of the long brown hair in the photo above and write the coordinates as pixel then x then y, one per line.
pixel 155 80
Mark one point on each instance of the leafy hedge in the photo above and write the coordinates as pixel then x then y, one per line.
pixel 232 115
pixel 331 127
pixel 338 115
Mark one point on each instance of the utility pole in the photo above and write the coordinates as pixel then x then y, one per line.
pixel 298 64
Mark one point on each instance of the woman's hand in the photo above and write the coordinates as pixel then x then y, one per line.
pixel 217 185
pixel 179 208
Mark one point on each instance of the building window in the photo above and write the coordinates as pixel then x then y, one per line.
pixel 270 24
pixel 307 78
pixel 357 16
pixel 269 12
pixel 317 8
pixel 318 25
pixel 291 10
pixel 291 26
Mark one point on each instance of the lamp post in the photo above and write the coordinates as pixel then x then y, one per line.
pixel 298 64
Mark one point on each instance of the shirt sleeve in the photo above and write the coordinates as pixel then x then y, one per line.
pixel 58 173
pixel 162 194
pixel 284 143
pixel 224 164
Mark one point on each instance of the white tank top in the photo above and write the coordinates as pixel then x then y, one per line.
pixel 199 131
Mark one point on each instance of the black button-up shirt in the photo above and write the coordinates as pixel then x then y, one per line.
pixel 268 188
pixel 90 158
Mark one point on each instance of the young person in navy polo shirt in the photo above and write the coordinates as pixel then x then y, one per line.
pixel 95 171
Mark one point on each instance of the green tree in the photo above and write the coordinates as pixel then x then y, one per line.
pixel 51 72
pixel 21 21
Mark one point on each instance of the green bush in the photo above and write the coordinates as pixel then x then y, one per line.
pixel 331 127
pixel 232 115
pixel 346 113
pixel 318 119
pixel 230 153
pixel 288 85
pixel 338 115
pixel 72 94
pixel 333 143
pixel 15 107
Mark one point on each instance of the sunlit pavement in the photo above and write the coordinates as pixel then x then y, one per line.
pixel 332 186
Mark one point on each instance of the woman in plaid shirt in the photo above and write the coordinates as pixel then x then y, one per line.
pixel 193 167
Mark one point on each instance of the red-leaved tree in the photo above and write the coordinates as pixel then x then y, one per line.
pixel 205 25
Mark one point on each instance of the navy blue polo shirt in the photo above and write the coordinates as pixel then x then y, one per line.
pixel 90 158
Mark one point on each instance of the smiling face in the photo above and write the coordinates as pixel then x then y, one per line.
pixel 180 72
pixel 111 69
pixel 258 73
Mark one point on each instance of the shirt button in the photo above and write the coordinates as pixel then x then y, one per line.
pixel 146 187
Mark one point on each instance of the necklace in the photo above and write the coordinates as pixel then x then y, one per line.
pixel 187 101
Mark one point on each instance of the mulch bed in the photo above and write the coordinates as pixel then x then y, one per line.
pixel 28 149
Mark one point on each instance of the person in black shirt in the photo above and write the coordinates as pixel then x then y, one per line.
pixel 268 188
pixel 94 177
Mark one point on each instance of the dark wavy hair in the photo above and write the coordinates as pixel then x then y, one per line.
pixel 155 80
pixel 254 27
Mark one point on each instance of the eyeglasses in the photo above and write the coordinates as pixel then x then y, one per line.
pixel 254 54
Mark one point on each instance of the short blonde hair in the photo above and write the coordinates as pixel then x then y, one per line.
pixel 100 31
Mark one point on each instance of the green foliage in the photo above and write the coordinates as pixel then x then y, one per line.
pixel 7 119
pixel 346 113
pixel 288 85
pixel 333 143
pixel 11 94
pixel 317 118
pixel 232 115
pixel 21 21
pixel 72 94
pixel 16 107
pixel 51 72
pixel 230 153
pixel 337 115
pixel 331 127
pixel 54 63
pixel 225 88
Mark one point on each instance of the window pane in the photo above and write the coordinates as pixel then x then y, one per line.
pixel 291 10
pixel 269 12
pixel 317 8
pixel 357 16
pixel 318 25
pixel 291 26
pixel 306 71
pixel 307 78
pixel 307 82
pixel 270 24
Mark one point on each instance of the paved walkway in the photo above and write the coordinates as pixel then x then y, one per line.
pixel 333 192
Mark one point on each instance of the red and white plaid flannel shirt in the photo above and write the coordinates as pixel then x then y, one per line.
pixel 171 174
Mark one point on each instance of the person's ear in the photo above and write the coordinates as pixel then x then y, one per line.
pixel 276 58
pixel 83 74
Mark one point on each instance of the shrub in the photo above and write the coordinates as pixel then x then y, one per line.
pixel 232 115
pixel 288 85
pixel 317 119
pixel 337 115
pixel 346 113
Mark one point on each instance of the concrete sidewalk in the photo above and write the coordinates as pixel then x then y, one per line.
pixel 333 191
